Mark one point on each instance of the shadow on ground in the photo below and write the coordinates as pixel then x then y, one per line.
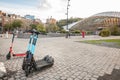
pixel 8 75
pixel 114 76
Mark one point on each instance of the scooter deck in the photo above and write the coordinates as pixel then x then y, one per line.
pixel 42 64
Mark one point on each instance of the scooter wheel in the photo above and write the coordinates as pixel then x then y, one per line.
pixel 46 57
pixel 50 60
pixel 34 65
pixel 23 65
pixel 27 70
pixel 8 56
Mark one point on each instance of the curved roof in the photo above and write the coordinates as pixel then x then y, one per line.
pixel 110 14
pixel 92 22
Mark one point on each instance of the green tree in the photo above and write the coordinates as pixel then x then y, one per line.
pixel 52 28
pixel 40 28
pixel 7 27
pixel 115 30
pixel 62 31
pixel 16 24
pixel 33 26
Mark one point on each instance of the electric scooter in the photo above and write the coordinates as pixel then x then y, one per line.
pixel 29 64
pixel 11 52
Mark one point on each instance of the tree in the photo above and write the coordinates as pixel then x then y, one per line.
pixel 10 26
pixel 7 27
pixel 33 26
pixel 16 24
pixel 62 31
pixel 115 30
pixel 40 27
pixel 52 28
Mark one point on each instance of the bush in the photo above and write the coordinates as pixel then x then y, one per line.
pixel 115 30
pixel 76 31
pixel 104 33
pixel 62 31
pixel 89 32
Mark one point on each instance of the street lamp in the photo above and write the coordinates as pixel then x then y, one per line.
pixel 67 34
pixel 67 13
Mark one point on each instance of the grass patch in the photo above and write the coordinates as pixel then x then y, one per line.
pixel 107 42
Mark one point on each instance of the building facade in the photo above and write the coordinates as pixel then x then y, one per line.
pixel 29 17
pixel 51 20
pixel 2 20
pixel 9 18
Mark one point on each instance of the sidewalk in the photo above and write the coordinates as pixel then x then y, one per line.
pixel 73 60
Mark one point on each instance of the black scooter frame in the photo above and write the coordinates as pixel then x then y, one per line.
pixel 29 64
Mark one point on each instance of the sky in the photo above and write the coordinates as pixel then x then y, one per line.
pixel 43 9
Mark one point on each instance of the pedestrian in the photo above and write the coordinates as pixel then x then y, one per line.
pixel 83 34
pixel 17 33
pixel 69 34
pixel 6 34
pixel 66 35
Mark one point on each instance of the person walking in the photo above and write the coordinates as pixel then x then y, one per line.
pixel 6 34
pixel 83 34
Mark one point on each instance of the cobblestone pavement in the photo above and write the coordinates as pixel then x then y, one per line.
pixel 73 60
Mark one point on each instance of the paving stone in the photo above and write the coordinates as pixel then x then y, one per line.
pixel 117 67
pixel 23 78
pixel 86 78
pixel 5 78
pixel 95 76
pixel 93 79
pixel 79 77
pixel 76 79
pixel 11 79
pixel 69 78
pixel 17 79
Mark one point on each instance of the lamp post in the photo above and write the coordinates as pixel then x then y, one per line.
pixel 67 34
pixel 67 13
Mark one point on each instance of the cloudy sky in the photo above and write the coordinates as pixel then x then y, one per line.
pixel 57 8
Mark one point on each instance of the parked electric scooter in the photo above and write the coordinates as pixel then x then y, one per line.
pixel 11 52
pixel 29 64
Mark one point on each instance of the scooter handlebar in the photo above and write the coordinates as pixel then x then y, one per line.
pixel 34 31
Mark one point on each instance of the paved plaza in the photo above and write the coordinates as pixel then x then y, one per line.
pixel 73 60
